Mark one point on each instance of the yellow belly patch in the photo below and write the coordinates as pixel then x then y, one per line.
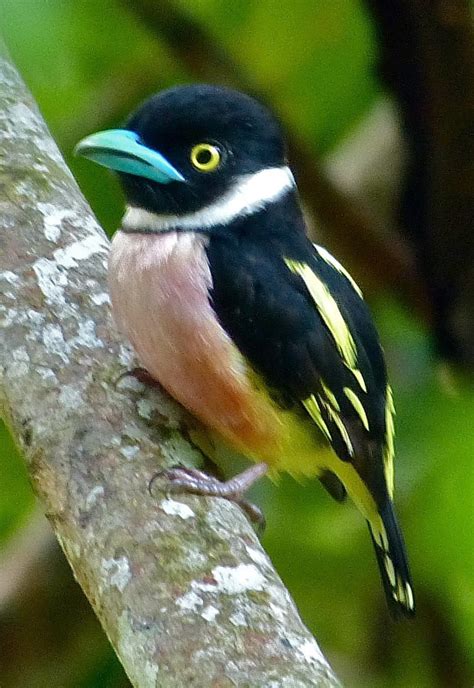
pixel 291 443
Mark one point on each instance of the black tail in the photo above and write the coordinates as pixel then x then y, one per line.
pixel 392 560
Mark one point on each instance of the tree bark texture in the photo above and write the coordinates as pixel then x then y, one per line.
pixel 181 585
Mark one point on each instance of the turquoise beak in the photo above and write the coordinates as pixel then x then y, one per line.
pixel 122 150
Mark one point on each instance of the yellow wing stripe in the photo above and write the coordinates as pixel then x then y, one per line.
pixel 389 440
pixel 337 420
pixel 312 406
pixel 328 258
pixel 330 403
pixel 409 596
pixel 358 406
pixel 390 569
pixel 358 376
pixel 328 309
pixel 330 396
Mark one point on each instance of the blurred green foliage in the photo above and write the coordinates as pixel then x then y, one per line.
pixel 88 64
pixel 16 499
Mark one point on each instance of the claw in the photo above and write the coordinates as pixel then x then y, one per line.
pixel 254 514
pixel 140 374
pixel 152 481
pixel 183 479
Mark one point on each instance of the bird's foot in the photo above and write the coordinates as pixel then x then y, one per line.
pixel 183 479
pixel 140 374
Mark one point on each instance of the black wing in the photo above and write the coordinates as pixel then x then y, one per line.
pixel 301 322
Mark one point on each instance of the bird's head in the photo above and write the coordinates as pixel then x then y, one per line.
pixel 195 150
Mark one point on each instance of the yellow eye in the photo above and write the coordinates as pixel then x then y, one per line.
pixel 205 157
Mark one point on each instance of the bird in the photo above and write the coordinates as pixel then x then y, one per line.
pixel 260 334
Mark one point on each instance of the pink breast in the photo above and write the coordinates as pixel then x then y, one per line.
pixel 159 286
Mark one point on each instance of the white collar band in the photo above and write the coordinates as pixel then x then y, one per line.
pixel 249 194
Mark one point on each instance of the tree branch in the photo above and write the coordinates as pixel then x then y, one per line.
pixel 181 586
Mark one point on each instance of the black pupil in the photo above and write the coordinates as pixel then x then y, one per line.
pixel 204 157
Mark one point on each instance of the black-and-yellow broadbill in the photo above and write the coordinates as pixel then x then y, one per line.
pixel 260 334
